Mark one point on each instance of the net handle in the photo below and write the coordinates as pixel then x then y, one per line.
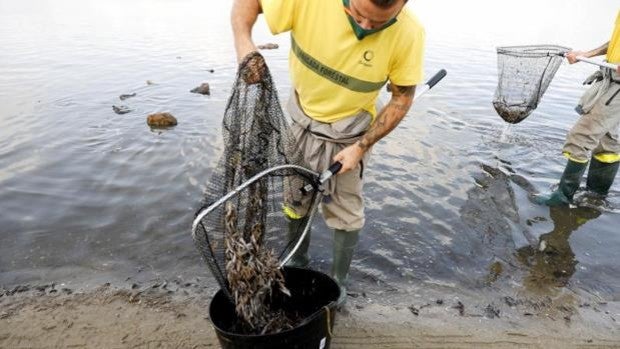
pixel 600 64
pixel 593 61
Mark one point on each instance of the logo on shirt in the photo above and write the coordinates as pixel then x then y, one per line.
pixel 367 57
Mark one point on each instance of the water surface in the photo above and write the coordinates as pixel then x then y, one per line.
pixel 88 195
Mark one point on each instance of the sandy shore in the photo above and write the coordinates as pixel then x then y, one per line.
pixel 156 317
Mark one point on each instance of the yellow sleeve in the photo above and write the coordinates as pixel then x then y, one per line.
pixel 408 66
pixel 280 14
pixel 613 50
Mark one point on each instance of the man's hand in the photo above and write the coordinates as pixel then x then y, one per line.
pixel 571 56
pixel 253 68
pixel 349 157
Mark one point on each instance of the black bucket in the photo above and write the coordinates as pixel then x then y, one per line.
pixel 313 296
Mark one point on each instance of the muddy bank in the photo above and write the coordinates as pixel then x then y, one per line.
pixel 157 315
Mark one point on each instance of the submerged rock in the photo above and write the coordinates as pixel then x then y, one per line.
pixel 161 120
pixel 121 109
pixel 203 89
pixel 268 46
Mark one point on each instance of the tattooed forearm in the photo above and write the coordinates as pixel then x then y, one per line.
pixel 399 106
pixel 389 117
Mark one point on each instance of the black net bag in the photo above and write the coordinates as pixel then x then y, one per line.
pixel 242 228
pixel 524 73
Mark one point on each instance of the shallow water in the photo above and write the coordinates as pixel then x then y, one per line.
pixel 88 195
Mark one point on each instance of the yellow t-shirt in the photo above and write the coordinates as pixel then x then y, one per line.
pixel 334 73
pixel 613 50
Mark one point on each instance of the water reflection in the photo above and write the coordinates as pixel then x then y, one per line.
pixel 552 262
pixel 492 208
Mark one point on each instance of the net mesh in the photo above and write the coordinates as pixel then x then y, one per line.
pixel 524 73
pixel 243 237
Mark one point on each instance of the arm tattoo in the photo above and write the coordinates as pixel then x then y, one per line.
pixel 389 117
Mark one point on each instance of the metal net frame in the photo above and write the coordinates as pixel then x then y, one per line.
pixel 524 74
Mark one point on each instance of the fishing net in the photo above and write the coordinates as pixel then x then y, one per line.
pixel 524 72
pixel 241 229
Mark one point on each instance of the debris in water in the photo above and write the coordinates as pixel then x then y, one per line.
pixel 121 109
pixel 127 95
pixel 491 311
pixel 268 46
pixel 460 307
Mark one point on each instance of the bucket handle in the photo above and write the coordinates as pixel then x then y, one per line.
pixel 329 327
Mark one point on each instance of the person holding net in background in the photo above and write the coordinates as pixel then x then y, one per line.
pixel 342 54
pixel 595 134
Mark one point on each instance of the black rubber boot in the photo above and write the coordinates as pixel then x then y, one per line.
pixel 344 246
pixel 301 257
pixel 571 178
pixel 601 176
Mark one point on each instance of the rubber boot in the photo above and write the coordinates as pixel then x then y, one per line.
pixel 601 176
pixel 301 257
pixel 571 178
pixel 344 246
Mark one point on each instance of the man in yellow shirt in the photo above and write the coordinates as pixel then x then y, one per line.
pixel 342 53
pixel 595 134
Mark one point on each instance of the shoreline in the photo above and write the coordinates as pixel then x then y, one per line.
pixel 150 317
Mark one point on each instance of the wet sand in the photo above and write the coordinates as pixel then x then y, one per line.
pixel 175 316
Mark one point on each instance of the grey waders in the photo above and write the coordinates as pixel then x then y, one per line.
pixel 601 176
pixel 571 178
pixel 344 246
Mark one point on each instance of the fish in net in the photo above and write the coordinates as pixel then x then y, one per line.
pixel 524 74
pixel 241 230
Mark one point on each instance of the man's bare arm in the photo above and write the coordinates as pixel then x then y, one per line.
pixel 389 117
pixel 602 50
pixel 243 16
pixel 572 55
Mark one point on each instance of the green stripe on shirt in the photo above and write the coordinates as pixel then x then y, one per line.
pixel 333 75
